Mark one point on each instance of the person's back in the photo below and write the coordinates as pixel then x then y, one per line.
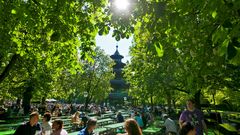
pixel 139 121
pixel 84 119
pixel 120 117
pixel 170 126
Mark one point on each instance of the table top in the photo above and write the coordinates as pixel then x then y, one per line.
pixel 73 133
pixel 91 114
pixel 8 132
pixel 117 125
pixel 125 115
pixel 152 130
pixel 108 114
pixel 11 125
pixel 61 117
pixel 98 130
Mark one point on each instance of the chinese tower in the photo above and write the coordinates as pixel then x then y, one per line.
pixel 119 86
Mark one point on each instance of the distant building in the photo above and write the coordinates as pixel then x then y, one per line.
pixel 119 92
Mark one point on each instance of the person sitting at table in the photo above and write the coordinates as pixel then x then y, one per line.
pixel 32 127
pixel 46 124
pixel 57 127
pixel 76 121
pixel 171 128
pixel 75 117
pixel 131 127
pixel 91 125
pixel 139 120
pixel 120 118
pixel 84 119
pixel 187 129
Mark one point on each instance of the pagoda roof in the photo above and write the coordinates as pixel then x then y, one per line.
pixel 116 55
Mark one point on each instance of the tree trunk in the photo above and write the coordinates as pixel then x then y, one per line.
pixel 197 97
pixel 27 96
pixel 174 103
pixel 151 101
pixel 5 72
pixel 86 104
pixel 169 98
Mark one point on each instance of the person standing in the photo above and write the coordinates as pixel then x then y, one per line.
pixel 32 127
pixel 193 116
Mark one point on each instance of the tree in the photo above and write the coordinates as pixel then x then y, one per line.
pixel 194 40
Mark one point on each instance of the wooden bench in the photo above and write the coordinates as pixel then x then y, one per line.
pixel 100 131
pixel 112 128
pixel 104 122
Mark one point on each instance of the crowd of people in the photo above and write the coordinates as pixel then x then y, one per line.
pixel 191 120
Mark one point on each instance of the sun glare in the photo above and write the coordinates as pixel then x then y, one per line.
pixel 121 4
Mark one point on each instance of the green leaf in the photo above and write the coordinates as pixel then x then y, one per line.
pixel 223 48
pixel 159 50
pixel 13 11
pixel 236 59
pixel 214 14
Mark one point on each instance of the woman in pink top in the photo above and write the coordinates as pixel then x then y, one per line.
pixel 57 127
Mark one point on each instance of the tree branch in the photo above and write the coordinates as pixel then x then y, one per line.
pixel 5 72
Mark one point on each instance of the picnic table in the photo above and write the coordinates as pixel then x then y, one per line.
pixel 2 121
pixel 114 126
pixel 107 115
pixel 66 120
pixel 10 125
pixel 61 117
pixel 102 121
pixel 126 115
pixel 100 130
pixel 91 114
pixel 152 130
pixel 73 133
pixel 97 130
pixel 7 132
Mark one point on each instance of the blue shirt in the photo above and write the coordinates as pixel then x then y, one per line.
pixel 84 132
